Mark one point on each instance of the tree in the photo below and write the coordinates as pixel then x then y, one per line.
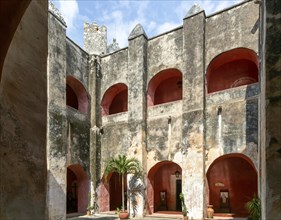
pixel 123 166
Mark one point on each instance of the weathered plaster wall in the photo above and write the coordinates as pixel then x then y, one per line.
pixel 123 133
pixel 78 139
pixel 163 121
pixel 230 29
pixel 137 79
pixel 163 52
pixel 114 69
pixel 235 129
pixel 57 123
pixel 193 115
pixel 148 133
pixel 77 63
pixel 270 108
pixel 163 138
pixel 23 118
pixel 164 135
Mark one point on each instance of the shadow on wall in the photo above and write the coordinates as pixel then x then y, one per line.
pixel 55 207
pixel 252 122
pixel 136 188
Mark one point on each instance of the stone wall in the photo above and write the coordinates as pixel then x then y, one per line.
pixel 229 29
pixel 235 129
pixel 180 131
pixel 78 123
pixel 69 129
pixel 23 118
pixel 270 108
pixel 77 63
pixel 57 122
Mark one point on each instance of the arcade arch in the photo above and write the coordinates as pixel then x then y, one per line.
pixel 76 95
pixel 232 181
pixel 165 86
pixel 233 68
pixel 77 189
pixel 163 187
pixel 111 192
pixel 115 99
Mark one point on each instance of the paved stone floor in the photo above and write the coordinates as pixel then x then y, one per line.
pixel 157 217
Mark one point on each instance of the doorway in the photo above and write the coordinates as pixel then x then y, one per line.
pixel 164 187
pixel 178 191
pixel 77 189
pixel 232 181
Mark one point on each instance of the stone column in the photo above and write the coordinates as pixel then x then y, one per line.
pixel 270 108
pixel 193 173
pixel 137 78
pixel 56 120
pixel 95 131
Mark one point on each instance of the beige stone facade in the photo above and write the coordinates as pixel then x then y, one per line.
pixel 65 111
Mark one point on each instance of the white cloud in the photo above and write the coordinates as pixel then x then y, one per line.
pixel 151 26
pixel 209 6
pixel 167 26
pixel 70 11
pixel 120 20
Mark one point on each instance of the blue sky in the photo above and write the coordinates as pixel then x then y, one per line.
pixel 121 16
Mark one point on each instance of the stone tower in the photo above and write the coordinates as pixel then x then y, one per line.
pixel 95 38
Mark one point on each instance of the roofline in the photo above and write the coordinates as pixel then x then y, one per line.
pixel 116 51
pixel 167 32
pixel 75 44
pixel 228 8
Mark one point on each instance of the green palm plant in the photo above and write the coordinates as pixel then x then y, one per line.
pixel 123 166
pixel 254 208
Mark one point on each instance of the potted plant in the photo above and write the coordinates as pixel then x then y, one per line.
pixel 184 209
pixel 123 166
pixel 89 210
pixel 254 208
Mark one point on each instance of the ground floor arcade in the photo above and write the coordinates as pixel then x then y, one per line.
pixel 230 181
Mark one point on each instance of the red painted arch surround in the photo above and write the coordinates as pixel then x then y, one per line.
pixel 158 176
pixel 111 192
pixel 83 185
pixel 232 68
pixel 115 99
pixel 76 95
pixel 238 175
pixel 165 86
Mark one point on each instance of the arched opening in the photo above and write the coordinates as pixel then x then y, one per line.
pixel 76 95
pixel 77 189
pixel 111 193
pixel 232 181
pixel 11 13
pixel 115 99
pixel 231 69
pixel 163 187
pixel 165 86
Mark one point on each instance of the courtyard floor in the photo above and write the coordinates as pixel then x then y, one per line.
pixel 157 216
